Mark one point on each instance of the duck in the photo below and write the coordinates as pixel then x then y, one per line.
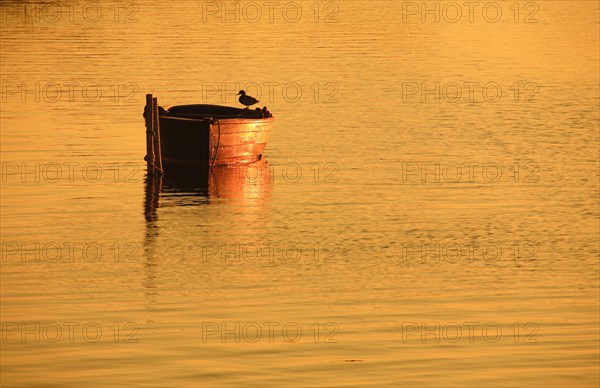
pixel 245 99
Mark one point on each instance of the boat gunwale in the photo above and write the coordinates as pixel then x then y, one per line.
pixel 224 114
pixel 227 120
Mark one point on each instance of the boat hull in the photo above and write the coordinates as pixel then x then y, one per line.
pixel 201 141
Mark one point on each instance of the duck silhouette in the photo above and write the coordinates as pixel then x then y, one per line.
pixel 246 100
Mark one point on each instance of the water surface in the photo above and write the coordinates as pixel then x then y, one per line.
pixel 416 236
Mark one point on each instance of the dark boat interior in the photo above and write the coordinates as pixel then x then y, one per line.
pixel 214 111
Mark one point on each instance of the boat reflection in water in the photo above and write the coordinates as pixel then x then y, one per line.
pixel 247 184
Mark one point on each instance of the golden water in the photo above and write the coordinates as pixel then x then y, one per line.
pixel 415 236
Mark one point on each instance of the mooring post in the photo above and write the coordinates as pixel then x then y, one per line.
pixel 157 149
pixel 149 115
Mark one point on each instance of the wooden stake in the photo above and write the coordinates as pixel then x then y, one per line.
pixel 149 115
pixel 156 126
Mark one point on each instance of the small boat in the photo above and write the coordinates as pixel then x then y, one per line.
pixel 201 135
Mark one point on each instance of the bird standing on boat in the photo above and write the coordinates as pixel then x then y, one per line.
pixel 246 100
